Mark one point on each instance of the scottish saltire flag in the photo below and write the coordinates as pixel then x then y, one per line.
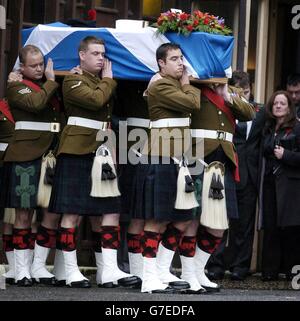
pixel 133 52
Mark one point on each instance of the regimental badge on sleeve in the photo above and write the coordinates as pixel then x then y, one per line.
pixel 25 91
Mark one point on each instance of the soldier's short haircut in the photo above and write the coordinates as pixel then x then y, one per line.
pixel 26 50
pixel 162 50
pixel 239 79
pixel 293 79
pixel 85 42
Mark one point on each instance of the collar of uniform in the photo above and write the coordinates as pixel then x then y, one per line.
pixel 90 76
pixel 37 82
pixel 174 80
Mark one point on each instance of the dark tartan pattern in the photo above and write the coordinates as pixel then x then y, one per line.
pixel 46 237
pixel 21 238
pixel 187 247
pixel 171 238
pixel 22 179
pixel 206 241
pixel 126 173
pixel 134 243
pixel 67 239
pixel 110 237
pixel 149 243
pixel 154 195
pixel 72 185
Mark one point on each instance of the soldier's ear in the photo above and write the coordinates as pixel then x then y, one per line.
pixel 161 63
pixel 82 55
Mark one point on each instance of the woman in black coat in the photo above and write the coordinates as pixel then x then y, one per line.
pixel 280 188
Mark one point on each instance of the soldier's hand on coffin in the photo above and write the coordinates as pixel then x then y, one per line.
pixel 278 151
pixel 76 70
pixel 184 80
pixel 15 76
pixel 107 69
pixel 49 72
pixel 222 90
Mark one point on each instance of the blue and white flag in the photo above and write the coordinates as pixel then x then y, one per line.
pixel 132 52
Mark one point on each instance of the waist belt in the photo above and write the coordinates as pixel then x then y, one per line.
pixel 170 122
pixel 36 125
pixel 138 122
pixel 3 147
pixel 89 123
pixel 213 134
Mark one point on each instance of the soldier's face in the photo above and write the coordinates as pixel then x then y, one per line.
pixel 173 66
pixel 92 59
pixel 34 66
pixel 294 91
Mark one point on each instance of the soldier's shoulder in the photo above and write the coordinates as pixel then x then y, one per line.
pixel 73 81
pixel 18 88
pixel 161 84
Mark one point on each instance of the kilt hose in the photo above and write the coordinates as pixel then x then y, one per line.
pixel 72 186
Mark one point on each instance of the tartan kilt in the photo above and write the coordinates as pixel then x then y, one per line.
pixel 22 182
pixel 154 193
pixel 230 193
pixel 72 186
pixel 126 174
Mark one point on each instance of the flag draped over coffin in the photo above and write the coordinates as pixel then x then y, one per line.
pixel 133 52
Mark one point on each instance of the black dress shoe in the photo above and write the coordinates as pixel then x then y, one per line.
pixel 108 285
pixel 179 285
pixel 211 289
pixel 236 276
pixel 60 283
pixel 188 291
pixel 167 290
pixel 80 284
pixel 10 281
pixel 46 281
pixel 215 275
pixel 129 281
pixel 24 282
pixel 268 277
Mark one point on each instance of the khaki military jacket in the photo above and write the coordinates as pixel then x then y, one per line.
pixel 29 105
pixel 168 99
pixel 6 132
pixel 211 118
pixel 85 96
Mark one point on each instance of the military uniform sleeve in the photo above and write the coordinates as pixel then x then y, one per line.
pixel 241 108
pixel 23 97
pixel 77 92
pixel 170 97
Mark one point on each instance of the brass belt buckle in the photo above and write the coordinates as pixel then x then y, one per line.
pixel 55 127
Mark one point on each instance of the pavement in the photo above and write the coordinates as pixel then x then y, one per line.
pixel 252 289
